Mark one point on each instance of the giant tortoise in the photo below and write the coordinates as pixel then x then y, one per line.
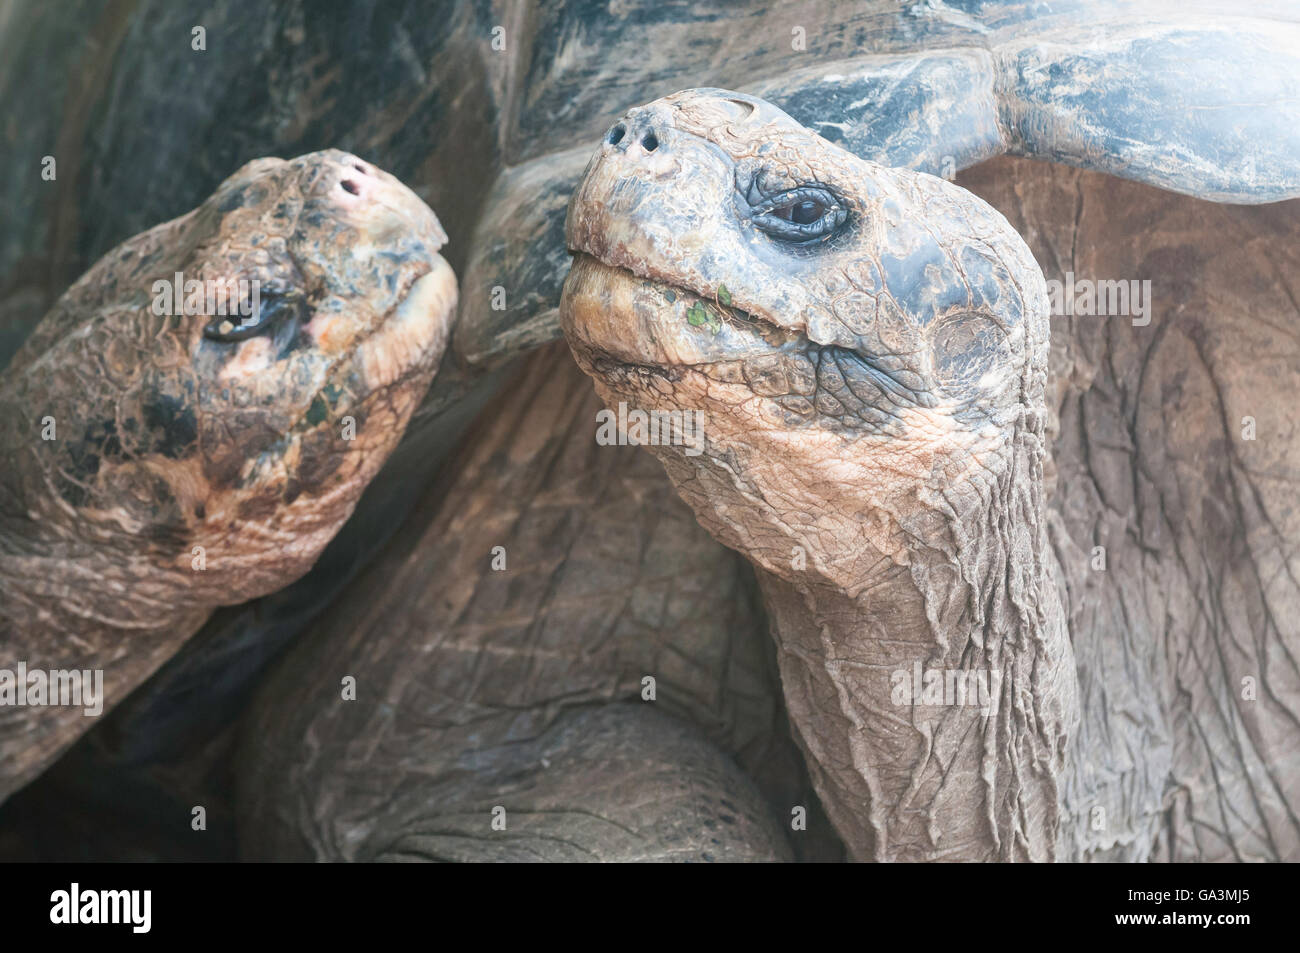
pixel 476 685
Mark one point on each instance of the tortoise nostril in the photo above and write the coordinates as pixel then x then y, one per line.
pixel 360 168
pixel 350 186
pixel 636 128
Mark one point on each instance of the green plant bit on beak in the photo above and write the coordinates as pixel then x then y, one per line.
pixel 698 315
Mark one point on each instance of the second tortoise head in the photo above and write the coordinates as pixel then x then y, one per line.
pixel 250 431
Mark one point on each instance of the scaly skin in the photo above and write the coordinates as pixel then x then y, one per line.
pixel 1186 642
pixel 874 407
pixel 519 684
pixel 168 440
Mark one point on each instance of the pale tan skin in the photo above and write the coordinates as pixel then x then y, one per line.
pixel 190 472
pixel 913 490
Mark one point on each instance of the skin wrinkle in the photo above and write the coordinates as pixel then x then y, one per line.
pixel 1199 585
pixel 236 447
pixel 1218 644
pixel 521 688
pixel 936 514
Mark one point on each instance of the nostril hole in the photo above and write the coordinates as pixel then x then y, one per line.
pixel 649 142
pixel 360 168
pixel 616 135
pixel 350 186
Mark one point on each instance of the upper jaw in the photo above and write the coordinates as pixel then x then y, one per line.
pixel 638 318
pixel 415 334
pixel 408 341
pixel 379 204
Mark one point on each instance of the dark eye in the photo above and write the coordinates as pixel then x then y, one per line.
pixel 801 213
pixel 805 213
pixel 255 315
pixel 800 216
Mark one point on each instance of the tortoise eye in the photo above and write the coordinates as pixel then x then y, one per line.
pixel 271 310
pixel 801 215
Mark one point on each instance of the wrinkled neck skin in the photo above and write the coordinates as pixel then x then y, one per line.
pixel 871 592
pixel 76 602
pixel 101 589
pixel 73 602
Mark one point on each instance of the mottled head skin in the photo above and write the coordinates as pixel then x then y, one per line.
pixel 874 413
pixel 169 439
pixel 196 465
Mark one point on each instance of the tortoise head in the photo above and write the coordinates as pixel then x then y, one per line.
pixel 225 385
pixel 865 344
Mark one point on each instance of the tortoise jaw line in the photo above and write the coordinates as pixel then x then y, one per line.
pixel 643 269
pixel 639 317
pixel 410 339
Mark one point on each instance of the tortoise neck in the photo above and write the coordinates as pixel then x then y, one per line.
pixel 934 699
